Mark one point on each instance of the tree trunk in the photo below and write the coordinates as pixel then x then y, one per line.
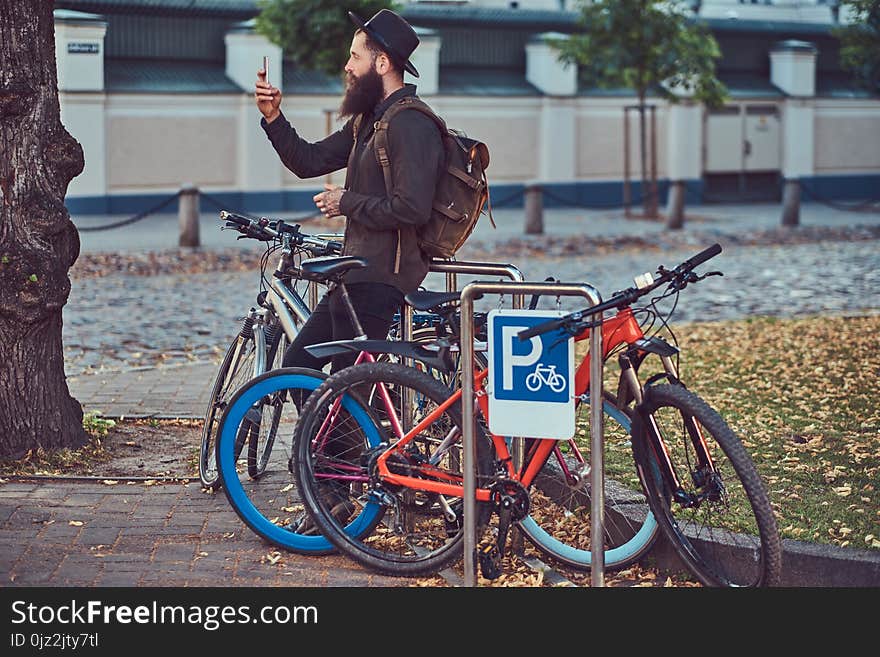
pixel 643 148
pixel 38 241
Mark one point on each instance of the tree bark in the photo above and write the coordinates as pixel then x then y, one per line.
pixel 643 154
pixel 38 241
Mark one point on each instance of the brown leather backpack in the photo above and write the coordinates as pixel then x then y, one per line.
pixel 462 190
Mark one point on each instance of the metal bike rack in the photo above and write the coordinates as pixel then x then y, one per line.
pixel 597 474
pixel 452 268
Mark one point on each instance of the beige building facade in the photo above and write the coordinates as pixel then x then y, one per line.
pixel 150 125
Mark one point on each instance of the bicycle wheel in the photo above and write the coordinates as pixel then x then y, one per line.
pixel 416 532
pixel 236 368
pixel 271 504
pixel 266 415
pixel 718 517
pixel 559 521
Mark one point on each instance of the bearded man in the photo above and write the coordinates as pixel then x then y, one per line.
pixel 380 228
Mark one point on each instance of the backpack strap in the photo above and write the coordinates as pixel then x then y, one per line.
pixel 380 146
pixel 488 200
pixel 380 134
pixel 355 126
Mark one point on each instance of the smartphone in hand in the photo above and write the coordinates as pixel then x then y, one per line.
pixel 266 67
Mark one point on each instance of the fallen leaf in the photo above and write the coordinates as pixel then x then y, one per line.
pixel 75 523
pixel 109 482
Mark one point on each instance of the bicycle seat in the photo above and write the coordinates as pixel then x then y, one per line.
pixel 426 300
pixel 326 267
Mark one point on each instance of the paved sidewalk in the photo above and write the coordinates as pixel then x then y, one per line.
pixel 173 391
pixel 89 533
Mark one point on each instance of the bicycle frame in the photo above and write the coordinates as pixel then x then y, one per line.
pixel 621 329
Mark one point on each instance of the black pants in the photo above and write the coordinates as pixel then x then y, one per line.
pixel 374 304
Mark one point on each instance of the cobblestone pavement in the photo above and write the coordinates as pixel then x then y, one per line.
pixel 83 534
pixel 123 321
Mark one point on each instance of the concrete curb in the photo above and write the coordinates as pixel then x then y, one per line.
pixel 804 565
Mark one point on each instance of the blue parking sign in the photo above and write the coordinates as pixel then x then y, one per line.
pixel 530 381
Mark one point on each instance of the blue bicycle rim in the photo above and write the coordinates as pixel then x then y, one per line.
pixel 249 395
pixel 613 556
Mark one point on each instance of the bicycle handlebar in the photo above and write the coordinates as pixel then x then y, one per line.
pixel 267 230
pixel 701 257
pixel 678 276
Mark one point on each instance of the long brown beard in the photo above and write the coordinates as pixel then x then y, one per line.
pixel 362 94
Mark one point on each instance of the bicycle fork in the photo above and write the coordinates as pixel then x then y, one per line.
pixel 705 472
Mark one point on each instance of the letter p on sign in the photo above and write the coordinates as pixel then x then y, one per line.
pixel 509 360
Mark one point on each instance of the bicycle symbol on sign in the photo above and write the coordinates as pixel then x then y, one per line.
pixel 545 375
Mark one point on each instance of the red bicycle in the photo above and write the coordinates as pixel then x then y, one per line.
pixel 403 461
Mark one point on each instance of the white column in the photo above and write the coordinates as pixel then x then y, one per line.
pixel 244 56
pixel 545 71
pixel 558 147
pixel 558 82
pixel 793 71
pixel 684 140
pixel 79 50
pixel 793 67
pixel 258 165
pixel 79 56
pixel 426 59
pixel 798 150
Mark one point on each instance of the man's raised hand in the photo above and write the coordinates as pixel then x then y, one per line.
pixel 268 97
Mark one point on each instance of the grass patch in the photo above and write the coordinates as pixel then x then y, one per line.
pixel 40 461
pixel 134 447
pixel 802 396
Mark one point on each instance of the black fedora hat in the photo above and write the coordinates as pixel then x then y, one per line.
pixel 393 35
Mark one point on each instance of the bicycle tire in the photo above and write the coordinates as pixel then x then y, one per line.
pixel 261 436
pixel 559 520
pixel 729 541
pixel 235 369
pixel 419 539
pixel 270 505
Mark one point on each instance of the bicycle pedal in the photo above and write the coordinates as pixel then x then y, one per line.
pixel 489 557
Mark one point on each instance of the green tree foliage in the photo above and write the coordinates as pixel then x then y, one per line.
pixel 860 42
pixel 316 34
pixel 645 45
